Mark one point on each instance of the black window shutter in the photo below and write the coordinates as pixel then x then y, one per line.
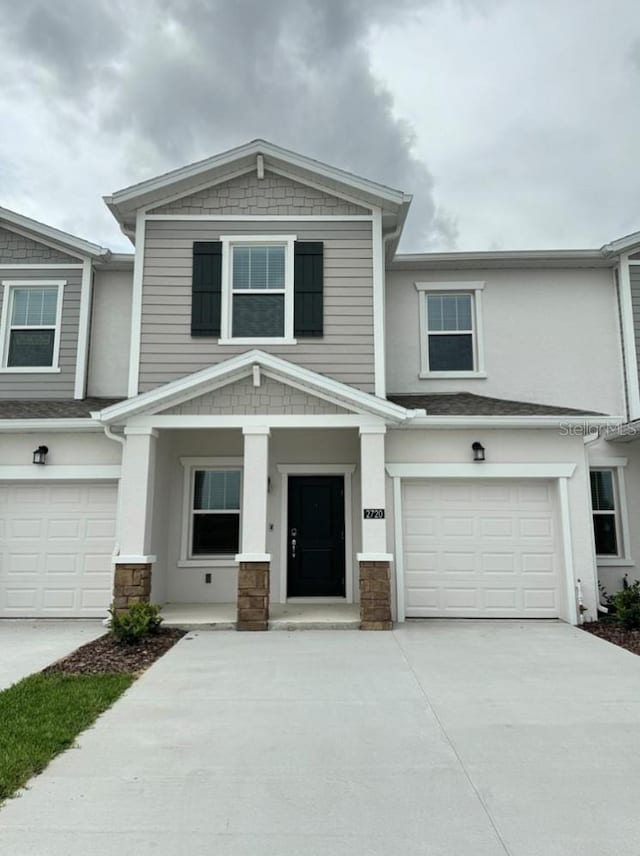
pixel 308 303
pixel 206 288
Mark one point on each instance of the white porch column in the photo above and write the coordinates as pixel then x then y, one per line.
pixel 135 502
pixel 372 482
pixel 254 495
pixel 373 561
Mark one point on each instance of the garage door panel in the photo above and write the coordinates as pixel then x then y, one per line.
pixel 55 558
pixel 480 549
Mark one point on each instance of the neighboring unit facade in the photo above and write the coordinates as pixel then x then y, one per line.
pixel 264 403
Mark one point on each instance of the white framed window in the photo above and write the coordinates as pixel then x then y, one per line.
pixel 451 339
pixel 212 505
pixel 257 289
pixel 609 511
pixel 30 325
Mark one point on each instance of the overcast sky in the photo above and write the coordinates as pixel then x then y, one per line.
pixel 515 123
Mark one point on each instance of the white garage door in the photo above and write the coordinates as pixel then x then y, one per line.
pixel 483 549
pixel 56 542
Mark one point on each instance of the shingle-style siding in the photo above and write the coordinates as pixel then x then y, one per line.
pixel 634 275
pixel 273 194
pixel 242 397
pixel 345 352
pixel 49 384
pixel 19 250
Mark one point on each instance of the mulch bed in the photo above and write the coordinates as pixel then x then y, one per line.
pixel 107 655
pixel 613 632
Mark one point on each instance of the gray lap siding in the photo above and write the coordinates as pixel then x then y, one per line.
pixel 48 384
pixel 345 352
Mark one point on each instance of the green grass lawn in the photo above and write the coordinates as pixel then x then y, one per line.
pixel 41 716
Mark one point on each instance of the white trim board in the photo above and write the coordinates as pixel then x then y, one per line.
pixel 481 470
pixel 380 384
pixel 21 426
pixel 57 266
pixel 84 323
pixel 345 470
pixel 136 306
pixel 629 338
pixel 46 472
pixel 263 218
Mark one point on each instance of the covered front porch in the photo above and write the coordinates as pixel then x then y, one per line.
pixel 264 489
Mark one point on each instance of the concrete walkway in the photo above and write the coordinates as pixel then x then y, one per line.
pixel 27 646
pixel 442 738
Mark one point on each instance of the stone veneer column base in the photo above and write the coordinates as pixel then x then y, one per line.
pixel 253 596
pixel 375 596
pixel 131 584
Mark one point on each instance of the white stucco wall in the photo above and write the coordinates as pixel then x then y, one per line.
pixel 110 334
pixel 600 453
pixel 550 336
pixel 175 584
pixel 516 447
pixel 79 449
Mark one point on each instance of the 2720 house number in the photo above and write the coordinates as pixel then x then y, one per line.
pixel 374 513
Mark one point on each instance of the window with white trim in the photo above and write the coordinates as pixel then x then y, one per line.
pixel 257 289
pixel 31 322
pixel 450 329
pixel 604 505
pixel 215 512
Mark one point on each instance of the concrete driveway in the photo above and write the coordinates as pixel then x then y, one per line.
pixel 479 738
pixel 27 646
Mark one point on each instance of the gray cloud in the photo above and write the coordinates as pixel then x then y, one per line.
pixel 170 81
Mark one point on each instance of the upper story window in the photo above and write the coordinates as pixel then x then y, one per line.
pixel 30 326
pixel 451 329
pixel 256 289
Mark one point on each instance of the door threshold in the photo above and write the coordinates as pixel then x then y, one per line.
pixel 319 599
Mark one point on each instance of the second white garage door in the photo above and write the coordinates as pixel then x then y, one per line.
pixel 56 543
pixel 481 549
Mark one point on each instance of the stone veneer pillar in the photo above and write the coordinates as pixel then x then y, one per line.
pixel 131 584
pixel 253 596
pixel 375 596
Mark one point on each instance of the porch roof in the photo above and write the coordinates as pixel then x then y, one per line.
pixel 215 377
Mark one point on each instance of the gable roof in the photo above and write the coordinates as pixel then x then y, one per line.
pixel 50 235
pixel 234 369
pixel 124 203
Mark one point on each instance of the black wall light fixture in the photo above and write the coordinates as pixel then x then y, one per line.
pixel 40 454
pixel 478 452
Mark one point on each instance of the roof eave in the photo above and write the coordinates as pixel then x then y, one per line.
pixel 63 239
pixel 124 202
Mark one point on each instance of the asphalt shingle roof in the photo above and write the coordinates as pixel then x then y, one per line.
pixel 53 409
pixel 468 404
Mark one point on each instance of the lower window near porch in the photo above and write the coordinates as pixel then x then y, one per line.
pixel 215 513
pixel 605 513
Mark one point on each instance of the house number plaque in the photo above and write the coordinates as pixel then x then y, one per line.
pixel 374 513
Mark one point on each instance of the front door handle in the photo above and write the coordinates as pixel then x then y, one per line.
pixel 293 548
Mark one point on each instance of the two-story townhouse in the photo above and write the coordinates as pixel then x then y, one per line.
pixel 266 405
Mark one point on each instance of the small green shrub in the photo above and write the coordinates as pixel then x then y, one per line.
pixel 138 622
pixel 627 604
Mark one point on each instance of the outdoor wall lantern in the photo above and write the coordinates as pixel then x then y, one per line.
pixel 478 452
pixel 40 455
